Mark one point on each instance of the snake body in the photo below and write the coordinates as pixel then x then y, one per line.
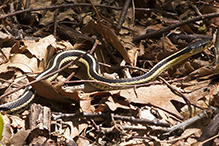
pixel 92 68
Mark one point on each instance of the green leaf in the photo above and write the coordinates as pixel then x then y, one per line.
pixel 1 126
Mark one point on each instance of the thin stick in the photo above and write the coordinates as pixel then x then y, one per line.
pixel 55 22
pixel 123 14
pixel 98 16
pixel 171 27
pixel 81 4
pixel 131 119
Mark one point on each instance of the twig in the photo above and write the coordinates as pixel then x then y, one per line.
pixel 122 67
pixel 94 47
pixel 166 29
pixel 78 5
pixel 217 47
pixel 171 113
pixel 123 14
pixel 105 116
pixel 95 125
pixel 55 22
pixel 98 16
pixel 124 86
pixel 7 81
pixel 197 10
pixel 175 91
pixel 3 6
pixel 141 137
pixel 133 12
pixel 179 128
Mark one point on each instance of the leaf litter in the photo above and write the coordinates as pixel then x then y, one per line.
pixel 119 117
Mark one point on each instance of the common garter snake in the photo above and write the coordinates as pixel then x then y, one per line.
pixel 92 67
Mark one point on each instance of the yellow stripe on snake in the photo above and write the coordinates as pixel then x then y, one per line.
pixel 92 67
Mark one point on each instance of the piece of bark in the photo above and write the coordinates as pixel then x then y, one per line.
pixel 40 117
pixel 39 122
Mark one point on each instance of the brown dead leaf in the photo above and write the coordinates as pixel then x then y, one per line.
pixel 7 76
pixel 158 95
pixel 103 95
pixel 216 68
pixel 4 55
pixel 205 71
pixel 17 122
pixel 76 94
pixel 86 106
pixel 187 29
pixel 16 48
pixel 62 45
pixel 35 60
pixel 132 53
pixel 39 49
pixel 7 133
pixel 39 4
pixel 49 17
pixel 10 136
pixel 20 137
pixel 82 141
pixel 6 39
pixel 102 57
pixel 189 68
pixel 167 45
pixel 212 8
pixel 45 89
pixel 187 133
pixel 109 35
pixel 114 103
pixel 17 81
pixel 151 52
pixel 154 27
pixel 24 62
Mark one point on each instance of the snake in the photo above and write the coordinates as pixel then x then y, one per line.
pixel 100 82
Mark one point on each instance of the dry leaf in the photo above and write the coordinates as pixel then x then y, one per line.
pixel 114 103
pixel 76 94
pixel 212 8
pixel 6 39
pixel 167 45
pixel 20 137
pixel 102 57
pixel 39 49
pixel 132 53
pixel 158 95
pixel 45 89
pixel 109 35
pixel 49 17
pixel 86 106
pixel 34 62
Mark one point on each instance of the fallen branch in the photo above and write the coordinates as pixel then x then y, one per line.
pixel 171 27
pixel 108 116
